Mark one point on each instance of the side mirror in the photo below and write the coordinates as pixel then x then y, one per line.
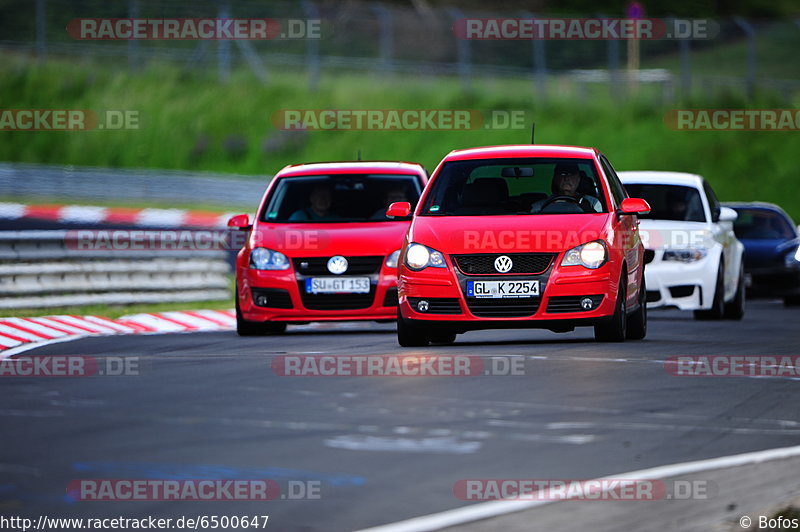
pixel 634 206
pixel 399 209
pixel 241 222
pixel 726 214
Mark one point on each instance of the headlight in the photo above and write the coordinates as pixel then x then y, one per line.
pixel 685 255
pixel 267 259
pixel 591 255
pixel 419 257
pixel 391 261
pixel 793 259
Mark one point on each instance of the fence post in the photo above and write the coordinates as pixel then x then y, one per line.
pixel 386 37
pixel 539 62
pixel 41 37
pixel 463 50
pixel 224 47
pixel 133 44
pixel 613 65
pixel 686 69
pixel 312 48
pixel 751 54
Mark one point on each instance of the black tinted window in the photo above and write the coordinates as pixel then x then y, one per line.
pixel 669 202
pixel 762 224
pixel 338 198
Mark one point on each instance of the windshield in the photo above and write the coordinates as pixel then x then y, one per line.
pixel 515 186
pixel 669 202
pixel 762 224
pixel 339 198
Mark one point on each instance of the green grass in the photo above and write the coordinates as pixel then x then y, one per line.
pixel 188 118
pixel 116 311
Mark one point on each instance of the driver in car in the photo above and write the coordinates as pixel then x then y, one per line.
pixel 566 179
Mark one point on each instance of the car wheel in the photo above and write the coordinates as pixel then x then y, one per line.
pixel 255 328
pixel 791 301
pixel 637 322
pixel 718 304
pixel 409 335
pixel 615 329
pixel 443 338
pixel 735 309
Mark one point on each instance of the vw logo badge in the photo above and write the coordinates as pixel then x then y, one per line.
pixel 337 265
pixel 503 264
pixel 587 303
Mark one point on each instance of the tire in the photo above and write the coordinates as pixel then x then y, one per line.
pixel 717 309
pixel 637 322
pixel 615 329
pixel 791 301
pixel 735 309
pixel 255 328
pixel 443 338
pixel 409 335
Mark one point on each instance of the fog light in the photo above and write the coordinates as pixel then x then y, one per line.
pixel 587 303
pixel 261 301
pixel 423 306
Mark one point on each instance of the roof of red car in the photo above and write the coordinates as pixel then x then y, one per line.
pixel 521 150
pixel 348 167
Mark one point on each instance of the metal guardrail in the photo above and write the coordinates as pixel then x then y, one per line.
pixel 41 269
pixel 165 186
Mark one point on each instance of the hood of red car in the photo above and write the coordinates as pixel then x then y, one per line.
pixel 509 234
pixel 323 240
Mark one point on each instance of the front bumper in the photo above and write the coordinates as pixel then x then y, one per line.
pixel 285 299
pixel 687 286
pixel 772 282
pixel 558 307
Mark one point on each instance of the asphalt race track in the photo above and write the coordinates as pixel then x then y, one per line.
pixel 384 449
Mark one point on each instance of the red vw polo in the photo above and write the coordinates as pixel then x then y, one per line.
pixel 322 247
pixel 522 236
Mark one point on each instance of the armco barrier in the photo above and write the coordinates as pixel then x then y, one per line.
pixel 40 269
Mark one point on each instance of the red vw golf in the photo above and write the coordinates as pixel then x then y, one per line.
pixel 322 247
pixel 522 236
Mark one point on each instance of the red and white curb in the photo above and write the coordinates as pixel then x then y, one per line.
pixel 17 332
pixel 115 215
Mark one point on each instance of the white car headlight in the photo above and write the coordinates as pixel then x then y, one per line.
pixel 419 257
pixel 591 255
pixel 685 255
pixel 267 259
pixel 391 260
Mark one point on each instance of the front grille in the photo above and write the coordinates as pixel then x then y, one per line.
pixel 390 299
pixel 355 265
pixel 653 296
pixel 275 298
pixel 681 291
pixel 335 301
pixel 649 255
pixel 504 308
pixel 572 303
pixel 437 305
pixel 523 263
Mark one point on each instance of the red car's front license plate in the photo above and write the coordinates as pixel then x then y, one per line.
pixel 337 285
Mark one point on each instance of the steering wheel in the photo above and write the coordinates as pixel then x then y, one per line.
pixel 554 199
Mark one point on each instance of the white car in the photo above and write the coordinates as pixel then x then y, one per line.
pixel 693 259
